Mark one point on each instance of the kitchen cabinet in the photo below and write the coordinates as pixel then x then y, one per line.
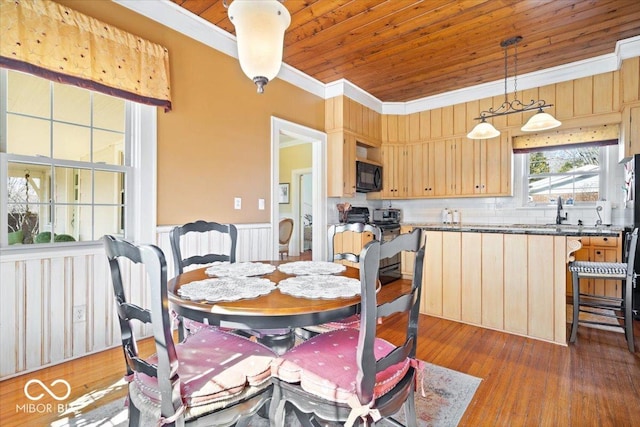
pixel 486 167
pixel 509 282
pixel 629 143
pixel 350 242
pixel 447 167
pixel 344 114
pixel 428 169
pixel 394 171
pixel 419 170
pixel 406 258
pixel 598 249
pixel 341 161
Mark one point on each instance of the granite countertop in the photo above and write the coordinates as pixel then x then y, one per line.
pixel 540 229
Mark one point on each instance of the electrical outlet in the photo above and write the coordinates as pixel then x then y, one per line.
pixel 237 203
pixel 261 204
pixel 79 313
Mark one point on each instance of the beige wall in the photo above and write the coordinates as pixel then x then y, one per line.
pixel 295 157
pixel 216 142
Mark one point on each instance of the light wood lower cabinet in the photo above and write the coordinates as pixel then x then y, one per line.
pixel 350 242
pixel 509 282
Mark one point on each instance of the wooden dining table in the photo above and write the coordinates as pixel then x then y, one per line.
pixel 270 311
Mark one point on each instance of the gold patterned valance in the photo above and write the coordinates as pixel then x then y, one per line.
pixel 47 39
pixel 598 135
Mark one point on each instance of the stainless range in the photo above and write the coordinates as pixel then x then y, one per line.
pixel 388 220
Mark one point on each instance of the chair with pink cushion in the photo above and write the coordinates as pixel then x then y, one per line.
pixel 348 254
pixel 280 339
pixel 351 375
pixel 211 378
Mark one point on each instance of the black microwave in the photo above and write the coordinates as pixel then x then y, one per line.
pixel 368 177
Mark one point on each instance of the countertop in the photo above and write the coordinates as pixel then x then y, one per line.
pixel 540 229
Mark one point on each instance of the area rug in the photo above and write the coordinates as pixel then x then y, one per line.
pixel 447 395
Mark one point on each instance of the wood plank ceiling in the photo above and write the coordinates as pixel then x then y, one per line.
pixel 402 50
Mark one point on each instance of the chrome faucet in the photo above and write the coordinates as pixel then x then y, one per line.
pixel 559 217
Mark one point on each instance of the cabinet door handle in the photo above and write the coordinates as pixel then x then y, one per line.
pixel 599 252
pixel 606 239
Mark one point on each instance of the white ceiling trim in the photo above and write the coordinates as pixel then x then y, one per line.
pixel 179 19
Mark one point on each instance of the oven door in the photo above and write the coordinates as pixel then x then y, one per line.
pixel 390 267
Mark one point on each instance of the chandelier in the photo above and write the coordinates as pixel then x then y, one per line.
pixel 260 27
pixel 538 122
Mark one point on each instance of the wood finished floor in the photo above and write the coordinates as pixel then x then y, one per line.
pixel 525 382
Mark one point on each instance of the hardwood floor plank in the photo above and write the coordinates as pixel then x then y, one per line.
pixel 525 382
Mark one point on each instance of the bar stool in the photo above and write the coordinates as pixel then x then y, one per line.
pixel 589 303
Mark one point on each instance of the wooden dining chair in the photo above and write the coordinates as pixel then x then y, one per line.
pixel 351 238
pixel 177 233
pixel 352 375
pixel 211 378
pixel 285 230
pixel 177 238
pixel 280 339
pixel 601 306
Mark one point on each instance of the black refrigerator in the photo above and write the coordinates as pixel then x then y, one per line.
pixel 636 223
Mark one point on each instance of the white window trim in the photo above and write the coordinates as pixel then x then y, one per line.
pixel 141 186
pixel 608 166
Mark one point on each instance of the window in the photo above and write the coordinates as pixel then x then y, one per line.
pixel 65 161
pixel 572 173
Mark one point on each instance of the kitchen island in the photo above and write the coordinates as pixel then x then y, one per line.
pixel 510 278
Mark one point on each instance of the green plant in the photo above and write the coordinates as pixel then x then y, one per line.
pixel 63 238
pixel 44 237
pixel 15 237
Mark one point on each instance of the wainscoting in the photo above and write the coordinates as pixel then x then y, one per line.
pixel 57 305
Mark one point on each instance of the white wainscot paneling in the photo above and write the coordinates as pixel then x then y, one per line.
pixel 41 292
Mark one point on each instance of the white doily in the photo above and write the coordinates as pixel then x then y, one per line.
pixel 320 286
pixel 235 269
pixel 226 289
pixel 301 268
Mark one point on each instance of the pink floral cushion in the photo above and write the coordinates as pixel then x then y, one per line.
pixel 348 322
pixel 325 365
pixel 213 365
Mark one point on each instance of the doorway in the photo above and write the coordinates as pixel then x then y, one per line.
pixel 302 212
pixel 282 130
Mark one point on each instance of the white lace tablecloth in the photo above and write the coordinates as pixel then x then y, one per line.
pixel 320 286
pixel 301 268
pixel 226 289
pixel 235 269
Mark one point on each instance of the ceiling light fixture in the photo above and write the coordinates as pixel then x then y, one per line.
pixel 538 122
pixel 260 27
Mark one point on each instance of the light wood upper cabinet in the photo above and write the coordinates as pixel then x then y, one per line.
pixel 394 171
pixel 485 167
pixel 345 114
pixel 341 156
pixel 629 143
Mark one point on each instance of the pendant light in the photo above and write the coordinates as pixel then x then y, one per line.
pixel 538 122
pixel 260 27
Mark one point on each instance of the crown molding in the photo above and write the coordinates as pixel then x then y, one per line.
pixel 179 19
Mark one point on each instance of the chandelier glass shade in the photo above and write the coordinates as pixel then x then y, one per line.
pixel 260 27
pixel 538 122
pixel 541 121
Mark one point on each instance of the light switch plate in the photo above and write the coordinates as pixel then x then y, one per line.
pixel 237 203
pixel 261 204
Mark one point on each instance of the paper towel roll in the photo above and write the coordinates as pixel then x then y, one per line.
pixel 605 212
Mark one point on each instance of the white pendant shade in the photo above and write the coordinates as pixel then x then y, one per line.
pixel 483 130
pixel 540 121
pixel 260 27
